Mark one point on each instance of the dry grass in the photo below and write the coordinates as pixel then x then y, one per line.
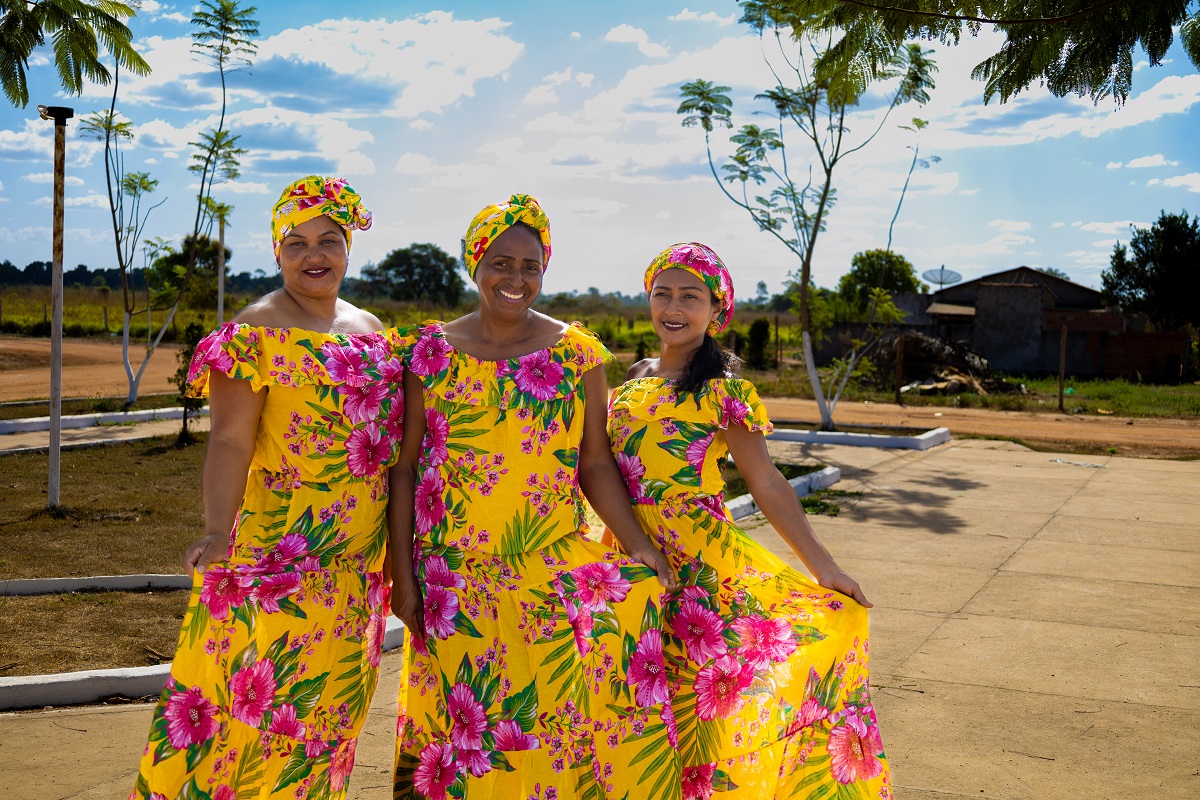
pixel 127 509
pixel 88 630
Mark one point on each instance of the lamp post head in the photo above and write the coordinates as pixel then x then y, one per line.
pixel 60 114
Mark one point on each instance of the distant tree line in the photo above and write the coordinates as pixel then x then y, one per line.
pixel 37 273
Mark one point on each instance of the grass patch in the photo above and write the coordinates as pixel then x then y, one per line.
pixel 128 508
pixel 735 483
pixel 87 405
pixel 88 630
pixel 1094 396
pixel 823 501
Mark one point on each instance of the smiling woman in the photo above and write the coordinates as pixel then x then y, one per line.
pixel 279 653
pixel 533 663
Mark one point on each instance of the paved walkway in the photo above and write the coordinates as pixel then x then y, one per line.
pixel 1036 634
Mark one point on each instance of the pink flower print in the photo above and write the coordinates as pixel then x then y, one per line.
pixel 191 718
pixel 393 423
pixel 222 590
pixel 719 686
pixel 211 353
pixel 436 770
pixel 430 505
pixel 475 762
pixel 854 750
pixel 700 630
pixel 811 712
pixel 374 639
pixel 224 792
pixel 697 450
pixel 697 782
pixel 699 257
pixel 437 434
pixel 441 607
pixel 366 449
pixel 509 737
pixel 430 355
pixel 290 548
pixel 341 764
pixel 538 375
pixel 253 689
pixel 468 718
pixel 377 591
pixel 597 585
pixel 438 573
pixel 344 364
pixel 632 471
pixel 764 641
pixel 391 371
pixel 647 670
pixel 270 589
pixel 284 722
pixel 361 403
pixel 733 412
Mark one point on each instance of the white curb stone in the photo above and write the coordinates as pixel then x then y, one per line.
pixel 90 686
pixel 925 441
pixel 31 586
pixel 744 506
pixel 34 424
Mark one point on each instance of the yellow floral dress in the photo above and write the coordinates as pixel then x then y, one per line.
pixel 539 674
pixel 280 647
pixel 767 670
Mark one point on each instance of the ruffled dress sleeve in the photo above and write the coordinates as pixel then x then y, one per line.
pixel 736 404
pixel 589 350
pixel 234 350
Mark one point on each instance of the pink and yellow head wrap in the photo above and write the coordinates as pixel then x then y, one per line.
pixel 315 196
pixel 494 220
pixel 706 265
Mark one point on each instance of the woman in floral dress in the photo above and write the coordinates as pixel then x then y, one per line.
pixel 534 662
pixel 280 647
pixel 767 669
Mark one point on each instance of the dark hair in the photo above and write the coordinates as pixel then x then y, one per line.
pixel 710 360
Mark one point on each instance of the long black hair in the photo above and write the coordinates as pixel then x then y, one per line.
pixel 708 361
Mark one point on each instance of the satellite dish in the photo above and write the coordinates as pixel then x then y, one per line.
pixel 941 276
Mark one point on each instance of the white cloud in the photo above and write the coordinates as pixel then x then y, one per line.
pixel 1058 224
pixel 416 164
pixel 1156 160
pixel 1118 226
pixel 687 15
pixel 576 35
pixel 242 187
pixel 450 55
pixel 26 234
pixel 1009 226
pixel 1191 181
pixel 1113 165
pixel 594 208
pixel 585 79
pixel 628 34
pixel 420 124
pixel 543 95
pixel 86 201
pixel 968 192
pixel 176 17
pixel 48 177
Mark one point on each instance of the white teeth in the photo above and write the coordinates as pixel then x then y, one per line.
pixel 511 296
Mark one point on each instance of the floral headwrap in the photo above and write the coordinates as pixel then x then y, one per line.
pixel 312 197
pixel 496 219
pixel 706 265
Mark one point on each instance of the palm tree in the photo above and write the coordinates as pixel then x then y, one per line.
pixel 80 30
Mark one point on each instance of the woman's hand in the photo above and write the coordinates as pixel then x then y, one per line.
pixel 653 558
pixel 839 581
pixel 408 606
pixel 202 552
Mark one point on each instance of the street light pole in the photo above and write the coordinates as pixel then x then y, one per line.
pixel 60 115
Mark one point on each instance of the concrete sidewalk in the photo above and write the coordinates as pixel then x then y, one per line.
pixel 98 434
pixel 1036 633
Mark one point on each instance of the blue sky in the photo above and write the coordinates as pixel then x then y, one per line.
pixel 431 112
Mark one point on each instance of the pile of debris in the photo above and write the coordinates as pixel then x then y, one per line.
pixel 931 365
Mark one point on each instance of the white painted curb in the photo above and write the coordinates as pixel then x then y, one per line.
pixel 34 424
pixel 90 686
pixel 744 506
pixel 923 442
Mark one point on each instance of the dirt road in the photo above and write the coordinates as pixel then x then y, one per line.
pixel 92 367
pixel 1144 437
